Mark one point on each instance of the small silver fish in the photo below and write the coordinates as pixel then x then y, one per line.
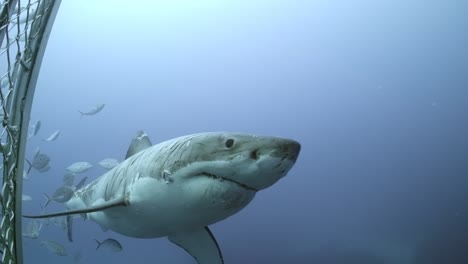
pixel 94 110
pixel 68 179
pixel 54 247
pixel 109 244
pixel 81 183
pixel 5 82
pixel 60 222
pixel 53 136
pixel 108 163
pixel 37 126
pixel 37 151
pixel 33 229
pixel 61 195
pixel 26 198
pixel 46 169
pixel 26 16
pixel 40 161
pixel 79 167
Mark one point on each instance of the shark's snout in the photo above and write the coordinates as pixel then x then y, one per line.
pixel 273 161
pixel 291 150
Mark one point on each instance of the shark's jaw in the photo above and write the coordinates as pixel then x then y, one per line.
pixel 222 179
pixel 252 162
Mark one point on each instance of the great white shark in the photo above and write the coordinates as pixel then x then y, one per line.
pixel 179 187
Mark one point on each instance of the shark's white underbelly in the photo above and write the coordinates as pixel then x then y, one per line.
pixel 158 209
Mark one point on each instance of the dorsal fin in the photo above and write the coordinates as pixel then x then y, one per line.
pixel 140 142
pixel 121 201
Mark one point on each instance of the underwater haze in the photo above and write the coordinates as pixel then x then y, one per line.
pixel 376 92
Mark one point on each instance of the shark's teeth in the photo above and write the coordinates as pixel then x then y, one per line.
pixel 219 178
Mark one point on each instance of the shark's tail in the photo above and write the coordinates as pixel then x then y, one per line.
pixel 48 200
pixel 30 166
pixel 98 243
pixel 81 114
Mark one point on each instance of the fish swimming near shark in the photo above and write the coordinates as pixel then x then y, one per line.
pixel 79 167
pixel 35 129
pixel 61 195
pixel 53 136
pixel 25 15
pixel 33 228
pixel 93 110
pixel 179 187
pixel 81 183
pixel 108 163
pixel 68 179
pixel 109 244
pixel 40 162
pixel 5 82
pixel 26 198
pixel 54 247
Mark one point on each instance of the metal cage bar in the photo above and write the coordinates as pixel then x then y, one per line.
pixel 31 26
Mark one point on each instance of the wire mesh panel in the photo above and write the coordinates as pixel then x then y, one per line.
pixel 24 31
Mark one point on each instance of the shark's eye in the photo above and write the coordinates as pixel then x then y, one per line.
pixel 229 143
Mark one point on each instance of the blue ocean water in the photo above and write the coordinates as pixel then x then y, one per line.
pixel 375 91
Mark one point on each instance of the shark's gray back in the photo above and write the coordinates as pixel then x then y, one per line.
pixel 155 162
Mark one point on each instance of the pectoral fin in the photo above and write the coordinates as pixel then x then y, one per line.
pixel 201 244
pixel 121 201
pixel 69 228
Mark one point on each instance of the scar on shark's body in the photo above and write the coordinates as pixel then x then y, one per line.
pixel 179 187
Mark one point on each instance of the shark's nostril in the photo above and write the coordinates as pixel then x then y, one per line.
pixel 254 154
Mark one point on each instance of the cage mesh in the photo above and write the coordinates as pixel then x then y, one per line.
pixel 24 30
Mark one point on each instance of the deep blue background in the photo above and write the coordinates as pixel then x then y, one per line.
pixel 376 92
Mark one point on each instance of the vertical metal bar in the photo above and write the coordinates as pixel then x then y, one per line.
pixel 26 73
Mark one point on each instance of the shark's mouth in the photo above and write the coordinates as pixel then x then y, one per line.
pixel 219 178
